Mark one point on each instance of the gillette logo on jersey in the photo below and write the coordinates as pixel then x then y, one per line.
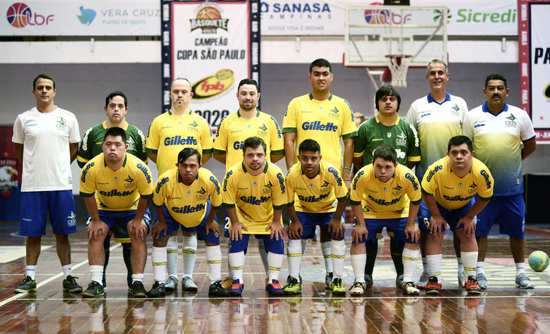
pixel 188 209
pixel 179 140
pixel 318 126
pixel 238 145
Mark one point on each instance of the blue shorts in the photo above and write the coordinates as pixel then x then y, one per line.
pixel 451 216
pixel 508 212
pixel 395 228
pixel 311 220
pixel 270 245
pixel 118 222
pixel 173 226
pixel 36 206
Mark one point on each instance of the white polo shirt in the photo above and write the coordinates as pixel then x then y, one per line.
pixel 46 156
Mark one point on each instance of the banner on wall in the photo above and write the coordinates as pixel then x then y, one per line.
pixel 214 45
pixel 534 58
pixel 9 176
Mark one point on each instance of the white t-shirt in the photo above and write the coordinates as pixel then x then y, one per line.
pixel 46 156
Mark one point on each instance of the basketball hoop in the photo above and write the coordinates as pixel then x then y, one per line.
pixel 398 66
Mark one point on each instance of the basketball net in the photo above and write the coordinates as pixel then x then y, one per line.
pixel 399 66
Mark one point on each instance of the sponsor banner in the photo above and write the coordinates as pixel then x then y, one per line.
pixel 80 18
pixel 214 45
pixel 10 168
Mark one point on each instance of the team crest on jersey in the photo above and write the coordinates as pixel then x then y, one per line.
pixel 388 134
pixel 334 112
pixel 510 121
pixel 131 144
pixel 201 194
pixel 128 182
pixel 325 184
pixel 71 219
pixel 193 125
pixel 397 190
pixel 61 123
pixel 262 130
pixel 401 139
pixel 455 108
pixel 267 188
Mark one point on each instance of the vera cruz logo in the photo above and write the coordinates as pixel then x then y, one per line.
pixel 209 20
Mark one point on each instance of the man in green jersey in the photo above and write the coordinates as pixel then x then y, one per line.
pixel 116 109
pixel 386 127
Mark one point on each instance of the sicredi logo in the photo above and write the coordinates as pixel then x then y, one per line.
pixel 20 15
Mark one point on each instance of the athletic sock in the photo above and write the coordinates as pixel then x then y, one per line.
pixel 67 270
pixel 469 259
pixel 325 249
pixel 410 260
pixel 434 264
pixel 294 253
pixel 214 259
pixel 96 273
pixel 30 271
pixel 358 262
pixel 137 278
pixel 480 268
pixel 338 248
pixel 236 265
pixel 159 263
pixel 520 268
pixel 275 262
pixel 172 249
pixel 189 254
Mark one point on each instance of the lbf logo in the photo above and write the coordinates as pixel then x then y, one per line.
pixel 20 15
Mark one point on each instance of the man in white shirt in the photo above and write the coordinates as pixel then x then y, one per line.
pixel 46 139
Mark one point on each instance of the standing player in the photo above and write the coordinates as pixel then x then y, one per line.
pixel 169 133
pixel 386 127
pixel 503 136
pixel 247 122
pixel 116 109
pixel 46 139
pixel 313 186
pixel 327 119
pixel 391 194
pixel 122 185
pixel 437 118
pixel 449 187
pixel 181 197
pixel 254 193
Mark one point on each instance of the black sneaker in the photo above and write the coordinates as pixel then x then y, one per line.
pixel 137 290
pixel 70 285
pixel 94 290
pixel 216 290
pixel 157 291
pixel 26 285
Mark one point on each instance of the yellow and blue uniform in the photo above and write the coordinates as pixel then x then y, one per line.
pixel 255 197
pixel 314 198
pixel 234 129
pixel 454 195
pixel 170 133
pixel 498 142
pixel 323 121
pixel 188 205
pixel 385 204
pixel 117 193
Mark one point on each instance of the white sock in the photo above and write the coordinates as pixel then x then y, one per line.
pixel 338 249
pixel 327 254
pixel 263 255
pixel 275 262
pixel 459 263
pixel 358 263
pixel 410 260
pixel 137 278
pixel 172 249
pixel 67 270
pixel 214 259
pixel 520 268
pixel 159 263
pixel 434 264
pixel 96 273
pixel 30 271
pixel 470 259
pixel 236 265
pixel 480 268
pixel 294 253
pixel 189 254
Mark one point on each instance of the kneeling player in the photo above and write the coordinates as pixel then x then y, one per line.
pixel 449 187
pixel 254 193
pixel 391 193
pixel 313 186
pixel 181 198
pixel 122 184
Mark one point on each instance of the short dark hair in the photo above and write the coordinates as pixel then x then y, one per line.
pixel 459 140
pixel 188 152
pixel 113 94
pixel 253 142
pixel 248 82
pixel 42 76
pixel 309 145
pixel 385 152
pixel 320 62
pixel 496 76
pixel 115 132
pixel 387 90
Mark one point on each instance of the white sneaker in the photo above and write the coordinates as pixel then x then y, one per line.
pixel 410 289
pixel 357 289
pixel 187 284
pixel 171 284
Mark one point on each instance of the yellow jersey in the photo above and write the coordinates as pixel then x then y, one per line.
pixel 234 129
pixel 318 194
pixel 116 190
pixel 254 197
pixel 453 192
pixel 187 203
pixel 385 200
pixel 324 121
pixel 169 134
